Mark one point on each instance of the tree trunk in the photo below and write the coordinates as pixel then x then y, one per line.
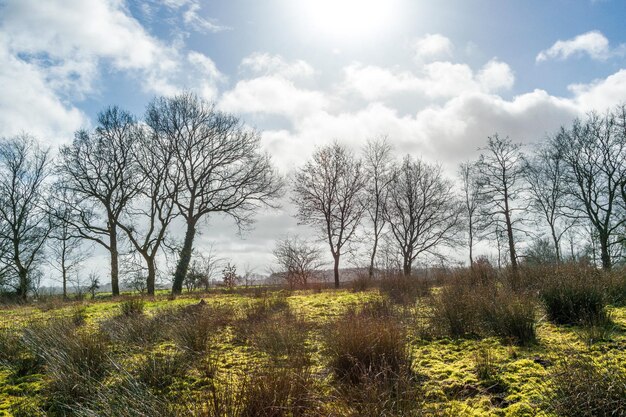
pixel 509 232
pixel 151 275
pixel 605 255
pixel 64 273
pixel 557 249
pixel 471 244
pixel 23 287
pixel 373 258
pixel 185 259
pixel 407 266
pixel 115 273
pixel 336 270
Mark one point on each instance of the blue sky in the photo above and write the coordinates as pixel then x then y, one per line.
pixel 436 77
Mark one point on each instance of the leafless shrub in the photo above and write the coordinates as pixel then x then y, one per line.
pixel 361 345
pixel 74 359
pixel 267 391
pixel 404 289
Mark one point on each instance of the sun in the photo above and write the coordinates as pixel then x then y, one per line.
pixel 349 18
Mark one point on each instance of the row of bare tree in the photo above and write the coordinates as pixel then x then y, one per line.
pixel 574 180
pixel 128 180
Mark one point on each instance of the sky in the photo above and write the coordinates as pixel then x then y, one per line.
pixel 436 77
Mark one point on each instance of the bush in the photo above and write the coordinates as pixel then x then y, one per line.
pixel 510 316
pixel 574 299
pixel 475 302
pixel 261 309
pixel 127 397
pixel 281 336
pixel 455 310
pixel 404 289
pixel 135 330
pixel 74 359
pixel 132 307
pixel 584 389
pixel 15 356
pixel 361 283
pixel 396 395
pixel 192 327
pixel 159 370
pixel 268 391
pixel 360 345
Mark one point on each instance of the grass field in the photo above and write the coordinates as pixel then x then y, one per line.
pixel 301 353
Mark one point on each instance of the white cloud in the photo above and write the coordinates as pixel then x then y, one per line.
pixel 600 94
pixel 496 75
pixel 593 43
pixel 432 47
pixel 65 44
pixel 190 13
pixel 260 63
pixel 272 95
pixel 437 80
pixel 192 17
pixel 29 103
pixel 449 131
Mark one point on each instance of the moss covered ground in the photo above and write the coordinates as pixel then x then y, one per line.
pixel 464 377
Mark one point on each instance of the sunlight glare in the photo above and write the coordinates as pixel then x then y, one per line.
pixel 349 18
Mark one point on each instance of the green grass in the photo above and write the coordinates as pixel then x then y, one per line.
pixel 445 368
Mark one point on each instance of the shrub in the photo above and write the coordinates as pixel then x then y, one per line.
pixel 281 335
pixel 484 364
pixel 510 316
pixel 132 307
pixel 127 397
pixel 74 359
pixel 584 389
pixel 192 327
pixel 404 289
pixel 455 310
pixel 360 345
pixel 378 308
pixel 616 286
pixel 395 395
pixel 475 302
pixel 15 356
pixel 159 370
pixel 261 309
pixel 135 330
pixel 574 299
pixel 361 283
pixel 268 391
pixel 78 315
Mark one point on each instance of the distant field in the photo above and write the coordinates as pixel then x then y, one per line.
pixel 280 353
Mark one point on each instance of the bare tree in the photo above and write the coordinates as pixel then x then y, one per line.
pixel 594 156
pixel 24 220
pixel 94 284
pixel 422 212
pixel 470 190
pixel 619 133
pixel 249 274
pixel 328 191
pixel 98 169
pixel 298 260
pixel 210 264
pixel 545 176
pixel 217 163
pixel 149 214
pixel 377 167
pixel 501 184
pixel 65 247
pixel 229 276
